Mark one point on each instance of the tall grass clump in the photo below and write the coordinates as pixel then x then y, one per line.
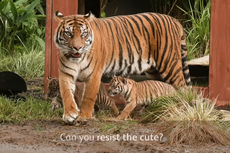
pixel 160 106
pixel 27 65
pixel 188 119
pixel 198 28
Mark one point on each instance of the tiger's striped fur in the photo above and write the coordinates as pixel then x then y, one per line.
pixel 53 93
pixel 136 93
pixel 122 45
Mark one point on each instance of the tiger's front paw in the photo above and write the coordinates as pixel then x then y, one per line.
pixel 83 116
pixel 70 116
pixel 83 119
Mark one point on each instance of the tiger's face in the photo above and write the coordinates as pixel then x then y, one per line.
pixel 117 85
pixel 74 36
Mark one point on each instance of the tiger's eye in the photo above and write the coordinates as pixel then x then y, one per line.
pixel 68 34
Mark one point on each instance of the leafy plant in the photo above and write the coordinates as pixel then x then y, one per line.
pixel 103 6
pixel 18 23
pixel 198 29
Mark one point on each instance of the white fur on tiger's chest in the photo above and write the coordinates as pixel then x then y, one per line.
pixel 84 72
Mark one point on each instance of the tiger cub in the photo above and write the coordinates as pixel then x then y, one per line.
pixel 53 93
pixel 137 92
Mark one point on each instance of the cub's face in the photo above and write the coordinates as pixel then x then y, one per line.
pixel 52 88
pixel 74 36
pixel 117 85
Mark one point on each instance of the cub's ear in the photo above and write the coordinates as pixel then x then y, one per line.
pixel 123 80
pixel 89 16
pixel 58 16
pixel 49 78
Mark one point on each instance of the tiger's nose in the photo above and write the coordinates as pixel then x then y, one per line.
pixel 77 47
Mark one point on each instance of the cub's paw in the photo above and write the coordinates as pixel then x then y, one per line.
pixel 70 117
pixel 55 105
pixel 116 112
pixel 120 117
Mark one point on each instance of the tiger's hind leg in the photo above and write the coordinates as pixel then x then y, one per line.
pixel 174 64
pixel 173 74
pixel 153 74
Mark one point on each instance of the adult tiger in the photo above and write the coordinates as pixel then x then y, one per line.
pixel 90 47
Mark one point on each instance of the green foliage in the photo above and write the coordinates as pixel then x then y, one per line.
pixel 19 23
pixel 31 109
pixel 103 14
pixel 27 65
pixel 103 6
pixel 198 29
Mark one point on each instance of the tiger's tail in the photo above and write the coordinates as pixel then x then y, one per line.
pixel 185 60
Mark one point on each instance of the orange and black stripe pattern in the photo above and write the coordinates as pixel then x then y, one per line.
pixel 53 93
pixel 121 45
pixel 138 93
pixel 135 43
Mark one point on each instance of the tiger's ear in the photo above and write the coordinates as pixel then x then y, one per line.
pixel 89 16
pixel 58 16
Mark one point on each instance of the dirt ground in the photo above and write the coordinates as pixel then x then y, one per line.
pixel 97 136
